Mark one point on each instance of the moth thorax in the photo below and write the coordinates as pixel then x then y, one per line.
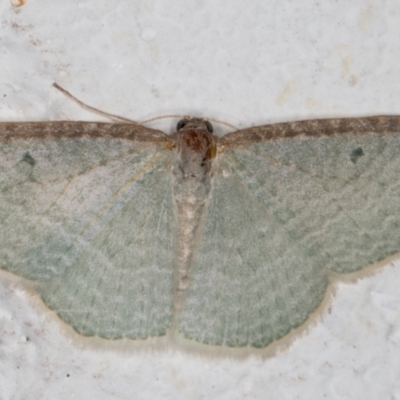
pixel 197 149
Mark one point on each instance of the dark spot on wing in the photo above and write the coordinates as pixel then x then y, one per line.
pixel 356 154
pixel 29 159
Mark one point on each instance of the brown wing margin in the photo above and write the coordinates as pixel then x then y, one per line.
pixel 72 129
pixel 314 127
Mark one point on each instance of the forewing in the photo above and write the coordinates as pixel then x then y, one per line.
pixel 282 213
pixel 89 219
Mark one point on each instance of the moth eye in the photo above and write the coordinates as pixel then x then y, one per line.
pixel 209 126
pixel 181 124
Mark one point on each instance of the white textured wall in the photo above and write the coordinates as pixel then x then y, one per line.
pixel 243 62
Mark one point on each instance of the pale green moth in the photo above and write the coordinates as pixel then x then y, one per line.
pixel 127 232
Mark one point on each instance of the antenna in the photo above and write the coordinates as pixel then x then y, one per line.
pixel 188 117
pixel 117 118
pixel 92 109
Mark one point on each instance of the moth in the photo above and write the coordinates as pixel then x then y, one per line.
pixel 127 232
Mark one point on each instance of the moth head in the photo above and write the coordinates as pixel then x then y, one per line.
pixel 194 123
